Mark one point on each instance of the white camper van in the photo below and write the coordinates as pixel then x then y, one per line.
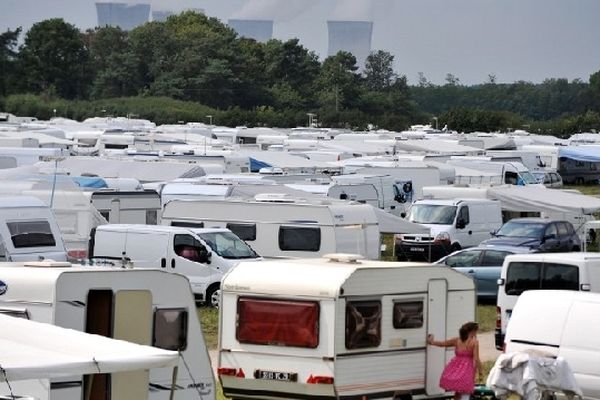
pixel 141 306
pixel 277 225
pixel 455 224
pixel 203 255
pixel 338 328
pixel 542 271
pixel 561 324
pixel 28 230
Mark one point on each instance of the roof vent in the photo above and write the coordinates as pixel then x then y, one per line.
pixel 348 258
pixel 47 264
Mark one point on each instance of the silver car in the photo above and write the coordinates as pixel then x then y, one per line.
pixel 483 264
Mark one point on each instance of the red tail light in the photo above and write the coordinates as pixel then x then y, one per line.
pixel 77 254
pixel 327 380
pixel 238 373
pixel 498 318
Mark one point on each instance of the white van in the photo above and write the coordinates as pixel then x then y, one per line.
pixel 562 324
pixel 29 231
pixel 542 271
pixel 455 224
pixel 203 255
pixel 338 327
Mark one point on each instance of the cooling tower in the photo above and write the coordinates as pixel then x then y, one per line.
pixel 260 30
pixel 161 16
pixel 123 15
pixel 350 36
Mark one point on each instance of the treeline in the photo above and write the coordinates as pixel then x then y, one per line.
pixel 192 66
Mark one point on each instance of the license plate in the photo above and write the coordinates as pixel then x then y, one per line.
pixel 276 376
pixel 417 249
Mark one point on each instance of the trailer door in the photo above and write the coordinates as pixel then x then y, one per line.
pixel 132 322
pixel 436 325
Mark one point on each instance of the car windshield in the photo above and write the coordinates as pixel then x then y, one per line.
pixel 522 229
pixel 528 178
pixel 432 214
pixel 228 245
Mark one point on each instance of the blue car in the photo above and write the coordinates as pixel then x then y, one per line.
pixel 483 264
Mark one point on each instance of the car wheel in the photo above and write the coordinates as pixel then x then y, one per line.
pixel 213 295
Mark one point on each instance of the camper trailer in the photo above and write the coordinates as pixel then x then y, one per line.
pixel 141 306
pixel 277 225
pixel 338 327
pixel 28 231
pixel 128 207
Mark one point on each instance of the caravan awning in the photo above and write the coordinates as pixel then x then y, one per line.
pixel 389 223
pixel 580 153
pixel 34 350
pixel 536 199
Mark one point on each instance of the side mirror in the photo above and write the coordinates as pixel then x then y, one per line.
pixel 460 224
pixel 205 257
pixel 500 281
pixel 493 233
pixel 548 237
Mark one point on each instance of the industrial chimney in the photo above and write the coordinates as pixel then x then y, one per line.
pixel 350 36
pixel 123 15
pixel 260 30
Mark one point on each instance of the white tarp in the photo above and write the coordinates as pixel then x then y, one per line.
pixel 34 350
pixel 533 198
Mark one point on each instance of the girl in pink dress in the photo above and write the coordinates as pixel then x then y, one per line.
pixel 459 374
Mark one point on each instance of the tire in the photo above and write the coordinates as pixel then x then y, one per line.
pixel 213 295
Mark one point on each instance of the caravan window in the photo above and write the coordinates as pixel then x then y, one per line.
pixel 243 231
pixel 31 234
pixel 363 324
pixel 522 276
pixel 278 322
pixel 170 329
pixel 151 217
pixel 294 238
pixel 408 314
pixel 188 224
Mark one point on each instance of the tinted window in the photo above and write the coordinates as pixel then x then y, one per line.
pixel 562 229
pixel 363 324
pixel 31 234
pixel 560 276
pixel 551 230
pixel 293 238
pixel 170 329
pixel 190 248
pixel 493 258
pixel 464 215
pixel 465 258
pixel 243 231
pixel 408 314
pixel 522 276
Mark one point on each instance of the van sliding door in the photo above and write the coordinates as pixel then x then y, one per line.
pixel 436 326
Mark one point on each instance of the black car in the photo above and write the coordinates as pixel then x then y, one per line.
pixel 538 234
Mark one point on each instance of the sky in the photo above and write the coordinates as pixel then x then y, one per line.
pixel 514 40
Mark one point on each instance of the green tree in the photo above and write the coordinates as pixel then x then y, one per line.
pixel 55 59
pixel 379 70
pixel 8 55
pixel 339 81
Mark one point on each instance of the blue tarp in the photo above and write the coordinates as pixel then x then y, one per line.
pixel 89 182
pixel 580 153
pixel 256 165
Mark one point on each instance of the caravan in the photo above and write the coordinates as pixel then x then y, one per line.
pixel 338 328
pixel 147 307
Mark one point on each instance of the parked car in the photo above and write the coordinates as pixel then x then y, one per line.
pixel 550 179
pixel 483 264
pixel 538 234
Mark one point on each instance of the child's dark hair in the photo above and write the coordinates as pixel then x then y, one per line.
pixel 466 329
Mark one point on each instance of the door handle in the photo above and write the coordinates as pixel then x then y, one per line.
pixel 470 232
pixel 472 271
pixel 163 263
pixel 172 263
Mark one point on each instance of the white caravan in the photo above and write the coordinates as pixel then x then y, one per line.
pixel 563 324
pixel 276 225
pixel 128 207
pixel 338 328
pixel 202 255
pixel 454 224
pixel 141 306
pixel 542 271
pixel 28 230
